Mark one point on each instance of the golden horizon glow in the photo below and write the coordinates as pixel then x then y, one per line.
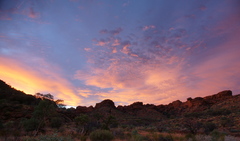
pixel 23 78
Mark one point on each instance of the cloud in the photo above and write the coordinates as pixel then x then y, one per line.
pixel 220 71
pixel 134 82
pixel 32 80
pixel 160 67
pixel 116 31
pixel 102 42
pixel 116 42
pixel 87 49
pixel 203 7
pixel 148 27
pixel 4 16
pixel 32 13
pixel 111 32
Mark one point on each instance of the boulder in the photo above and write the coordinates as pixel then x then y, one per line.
pixel 105 103
pixel 175 104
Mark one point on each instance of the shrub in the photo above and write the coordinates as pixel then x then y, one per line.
pixel 119 133
pixel 190 136
pixel 209 127
pixel 81 122
pixel 30 124
pixel 101 135
pixel 217 136
pixel 1 125
pixel 135 136
pixel 165 138
pixel 226 122
pixel 28 138
pixel 192 125
pixel 83 138
pixel 218 112
pixel 56 122
pixel 54 137
pixel 193 114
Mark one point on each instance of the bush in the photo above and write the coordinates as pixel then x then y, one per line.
pixel 217 136
pixel 218 112
pixel 119 133
pixel 30 124
pixel 194 114
pixel 226 122
pixel 53 137
pixel 101 135
pixel 135 136
pixel 209 127
pixel 190 136
pixel 1 125
pixel 165 138
pixel 56 122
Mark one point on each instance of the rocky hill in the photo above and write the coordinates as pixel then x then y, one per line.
pixel 221 111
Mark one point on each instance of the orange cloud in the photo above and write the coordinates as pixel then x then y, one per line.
pixel 102 43
pixel 31 81
pixel 116 42
pixel 166 81
pixel 133 82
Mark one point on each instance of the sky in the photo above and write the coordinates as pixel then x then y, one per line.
pixel 153 51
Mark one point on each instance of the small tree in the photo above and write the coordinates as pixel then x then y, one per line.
pixel 56 122
pixel 209 127
pixel 192 125
pixel 81 122
pixel 60 104
pixel 44 96
pixel 43 113
pixel 110 121
pixel 30 124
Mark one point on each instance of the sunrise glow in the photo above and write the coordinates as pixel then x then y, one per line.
pixel 151 51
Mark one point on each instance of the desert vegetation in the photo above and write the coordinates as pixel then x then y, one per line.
pixel 41 118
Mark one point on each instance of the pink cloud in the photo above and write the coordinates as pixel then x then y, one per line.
pixel 102 43
pixel 114 50
pixel 87 49
pixel 132 82
pixel 116 42
pixel 148 27
pixel 32 13
pixel 167 80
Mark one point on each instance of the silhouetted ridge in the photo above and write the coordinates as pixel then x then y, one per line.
pixel 11 94
pixel 105 103
pixel 221 109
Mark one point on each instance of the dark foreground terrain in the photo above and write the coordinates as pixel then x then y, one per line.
pixel 40 117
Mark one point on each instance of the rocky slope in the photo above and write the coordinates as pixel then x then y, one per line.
pixel 221 109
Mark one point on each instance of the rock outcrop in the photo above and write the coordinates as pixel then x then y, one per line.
pixel 105 103
pixel 221 95
pixel 84 109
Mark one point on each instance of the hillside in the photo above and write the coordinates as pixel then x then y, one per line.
pixel 200 115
